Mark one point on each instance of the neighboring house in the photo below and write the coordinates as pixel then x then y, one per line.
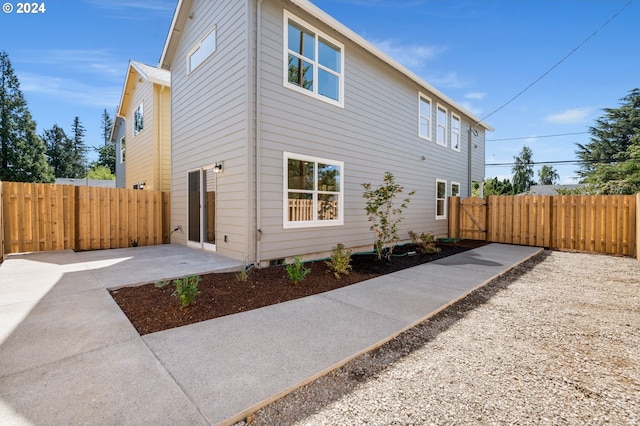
pixel 281 113
pixel 145 107
pixel 119 139
pixel 551 189
pixel 86 182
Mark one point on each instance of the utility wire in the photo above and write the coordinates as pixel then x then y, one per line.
pixel 559 62
pixel 536 137
pixel 576 162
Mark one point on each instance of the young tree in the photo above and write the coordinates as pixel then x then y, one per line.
pixel 610 161
pixel 523 171
pixel 22 152
pixel 547 175
pixel 78 151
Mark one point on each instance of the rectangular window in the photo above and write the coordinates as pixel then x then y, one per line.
pixel 441 120
pixel 441 199
pixel 202 50
pixel 122 150
pixel 313 191
pixel 455 189
pixel 138 120
pixel 455 132
pixel 313 62
pixel 424 117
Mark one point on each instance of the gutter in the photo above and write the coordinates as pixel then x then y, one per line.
pixel 258 130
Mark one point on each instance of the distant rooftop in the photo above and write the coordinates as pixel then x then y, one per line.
pixel 550 189
pixel 86 182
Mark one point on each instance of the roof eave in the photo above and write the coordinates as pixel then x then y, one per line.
pixel 359 40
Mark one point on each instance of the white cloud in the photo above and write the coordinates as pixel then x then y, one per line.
pixel 72 91
pixel 477 96
pixel 154 5
pixel 471 108
pixel 100 62
pixel 412 56
pixel 571 116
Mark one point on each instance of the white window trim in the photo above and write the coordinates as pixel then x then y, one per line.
pixel 452 185
pixel 444 216
pixel 285 61
pixel 195 48
pixel 286 224
pixel 421 97
pixel 456 116
pixel 439 125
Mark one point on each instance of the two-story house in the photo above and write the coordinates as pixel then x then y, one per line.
pixel 142 130
pixel 281 113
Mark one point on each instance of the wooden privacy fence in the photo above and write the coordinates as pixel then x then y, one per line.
pixel 41 217
pixel 590 223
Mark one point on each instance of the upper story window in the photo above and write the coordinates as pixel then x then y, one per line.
pixel 202 50
pixel 441 121
pixel 122 149
pixel 424 117
pixel 313 62
pixel 455 132
pixel 138 120
pixel 313 191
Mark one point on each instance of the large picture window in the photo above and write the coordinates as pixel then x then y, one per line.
pixel 313 191
pixel 314 63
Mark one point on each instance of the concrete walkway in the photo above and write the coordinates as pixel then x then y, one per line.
pixel 68 355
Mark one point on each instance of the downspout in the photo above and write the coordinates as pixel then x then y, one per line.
pixel 258 128
pixel 470 179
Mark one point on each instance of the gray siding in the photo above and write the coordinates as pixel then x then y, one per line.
pixel 210 121
pixel 377 131
pixel 118 133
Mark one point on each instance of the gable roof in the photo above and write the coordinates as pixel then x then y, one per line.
pixel 151 74
pixel 182 10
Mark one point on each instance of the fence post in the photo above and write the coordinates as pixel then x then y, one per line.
pixel 454 217
pixel 1 224
pixel 638 226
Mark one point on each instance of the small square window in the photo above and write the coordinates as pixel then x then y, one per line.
pixel 202 50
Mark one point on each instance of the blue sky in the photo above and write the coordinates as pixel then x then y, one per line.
pixel 72 59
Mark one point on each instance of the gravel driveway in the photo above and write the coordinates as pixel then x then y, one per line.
pixel 555 341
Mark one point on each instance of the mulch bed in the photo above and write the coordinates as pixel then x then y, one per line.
pixel 152 309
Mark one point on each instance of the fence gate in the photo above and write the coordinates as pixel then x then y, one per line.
pixel 468 218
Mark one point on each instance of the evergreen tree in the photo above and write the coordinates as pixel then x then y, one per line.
pixel 58 155
pixel 100 172
pixel 105 125
pixel 547 175
pixel 78 151
pixel 610 162
pixel 106 152
pixel 523 171
pixel 22 152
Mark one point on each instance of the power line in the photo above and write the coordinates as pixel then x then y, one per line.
pixel 559 62
pixel 536 137
pixel 575 162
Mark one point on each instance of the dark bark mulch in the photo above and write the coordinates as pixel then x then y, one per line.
pixel 152 309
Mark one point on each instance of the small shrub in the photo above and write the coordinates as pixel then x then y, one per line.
pixel 425 242
pixel 340 262
pixel 186 289
pixel 134 243
pixel 243 275
pixel 296 270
